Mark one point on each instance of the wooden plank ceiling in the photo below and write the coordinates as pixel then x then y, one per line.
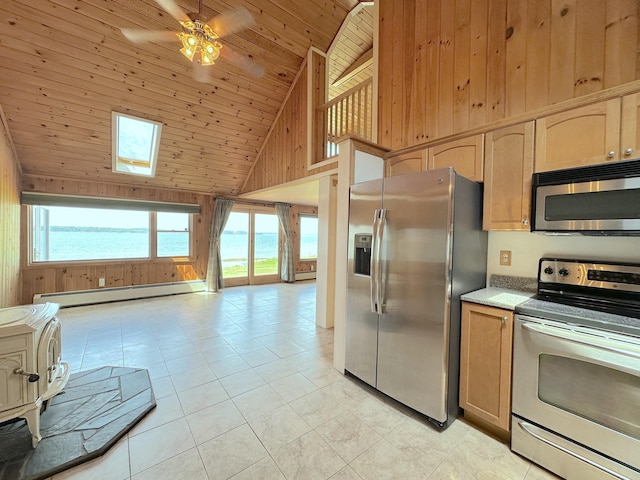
pixel 66 66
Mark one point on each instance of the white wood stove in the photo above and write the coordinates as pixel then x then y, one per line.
pixel 31 368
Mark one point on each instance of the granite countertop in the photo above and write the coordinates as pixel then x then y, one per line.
pixel 497 297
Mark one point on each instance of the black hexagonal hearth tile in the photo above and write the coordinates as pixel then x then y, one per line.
pixel 89 416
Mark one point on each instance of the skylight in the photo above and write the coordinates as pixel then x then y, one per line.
pixel 135 143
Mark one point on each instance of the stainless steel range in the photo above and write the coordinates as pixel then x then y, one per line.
pixel 576 372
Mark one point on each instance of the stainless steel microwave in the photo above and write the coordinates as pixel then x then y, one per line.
pixel 594 200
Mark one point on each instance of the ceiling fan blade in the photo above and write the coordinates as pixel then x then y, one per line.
pixel 232 21
pixel 250 66
pixel 172 8
pixel 143 36
pixel 201 73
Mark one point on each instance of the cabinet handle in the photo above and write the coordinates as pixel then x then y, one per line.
pixel 628 151
pixel 525 221
pixel 611 154
pixel 505 320
pixel 33 377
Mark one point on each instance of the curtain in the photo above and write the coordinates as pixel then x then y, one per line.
pixel 287 273
pixel 220 216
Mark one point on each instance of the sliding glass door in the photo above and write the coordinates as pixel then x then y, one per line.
pixel 250 247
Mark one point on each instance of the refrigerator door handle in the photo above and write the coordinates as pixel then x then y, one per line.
pixel 373 266
pixel 380 293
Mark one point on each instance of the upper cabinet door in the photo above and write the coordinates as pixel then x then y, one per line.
pixel 630 133
pixel 407 163
pixel 583 136
pixel 466 156
pixel 507 177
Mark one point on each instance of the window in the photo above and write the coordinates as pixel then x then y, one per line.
pixel 173 234
pixel 308 237
pixel 135 143
pixel 75 234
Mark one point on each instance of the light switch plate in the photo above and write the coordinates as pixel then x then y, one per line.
pixel 505 257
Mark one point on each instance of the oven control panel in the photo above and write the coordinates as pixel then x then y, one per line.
pixel 611 276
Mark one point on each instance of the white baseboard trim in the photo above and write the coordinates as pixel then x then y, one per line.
pixel 103 295
pixel 305 276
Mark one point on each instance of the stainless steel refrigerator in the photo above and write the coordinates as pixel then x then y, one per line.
pixel 415 245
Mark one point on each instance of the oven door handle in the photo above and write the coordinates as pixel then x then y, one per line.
pixel 576 338
pixel 527 427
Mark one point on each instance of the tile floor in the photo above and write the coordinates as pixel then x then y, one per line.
pixel 246 390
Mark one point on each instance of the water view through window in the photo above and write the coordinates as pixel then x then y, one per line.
pixel 235 245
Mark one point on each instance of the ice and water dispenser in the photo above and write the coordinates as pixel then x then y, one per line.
pixel 362 254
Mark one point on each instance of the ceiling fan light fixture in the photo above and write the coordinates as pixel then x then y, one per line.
pixel 199 41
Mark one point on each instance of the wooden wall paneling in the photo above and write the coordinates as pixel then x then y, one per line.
pixel 516 37
pixel 590 46
pixel 446 68
pixel 478 63
pixel 563 52
pixel 538 31
pixel 496 59
pixel 434 12
pixel 385 71
pixel 397 76
pixel 419 87
pixel 621 41
pixel 462 66
pixel 409 44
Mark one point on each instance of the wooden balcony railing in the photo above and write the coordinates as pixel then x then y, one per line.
pixel 347 114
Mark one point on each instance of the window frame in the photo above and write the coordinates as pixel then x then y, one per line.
pixel 152 239
pixel 300 217
pixel 154 141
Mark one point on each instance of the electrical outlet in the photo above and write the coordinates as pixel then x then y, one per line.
pixel 101 282
pixel 505 257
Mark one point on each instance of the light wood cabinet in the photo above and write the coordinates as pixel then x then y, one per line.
pixel 508 165
pixel 630 130
pixel 582 136
pixel 486 346
pixel 406 163
pixel 465 155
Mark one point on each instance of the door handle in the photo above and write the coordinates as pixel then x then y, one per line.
pixel 373 264
pixel 526 427
pixel 380 281
pixel 576 338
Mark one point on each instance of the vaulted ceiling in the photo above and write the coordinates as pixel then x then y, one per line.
pixel 65 66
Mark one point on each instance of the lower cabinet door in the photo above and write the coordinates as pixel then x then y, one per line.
pixel 485 363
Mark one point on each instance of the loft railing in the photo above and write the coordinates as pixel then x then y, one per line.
pixel 347 114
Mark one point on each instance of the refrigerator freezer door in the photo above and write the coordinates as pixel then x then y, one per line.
pixel 362 321
pixel 413 331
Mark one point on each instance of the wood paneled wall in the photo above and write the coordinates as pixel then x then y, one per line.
pixel 283 157
pixel 58 277
pixel 294 218
pixel 463 64
pixel 9 224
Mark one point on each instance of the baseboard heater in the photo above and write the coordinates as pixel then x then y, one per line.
pixel 305 275
pixel 115 294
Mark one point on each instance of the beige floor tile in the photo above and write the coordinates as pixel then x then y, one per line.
pixel 322 405
pixel 184 466
pixel 279 427
pixel 348 435
pixel 163 387
pixel 347 473
pixel 159 444
pixel 275 370
pixel 167 410
pixel 308 458
pixel 539 473
pixel 185 365
pixel 259 357
pixel 113 465
pixel 265 469
pixel 214 420
pixel 229 366
pixel 384 461
pixel 257 402
pixel 192 378
pixel 293 387
pixel 378 414
pixel 231 452
pixel 201 397
pixel 241 382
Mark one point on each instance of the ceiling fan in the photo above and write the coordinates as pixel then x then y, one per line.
pixel 200 37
